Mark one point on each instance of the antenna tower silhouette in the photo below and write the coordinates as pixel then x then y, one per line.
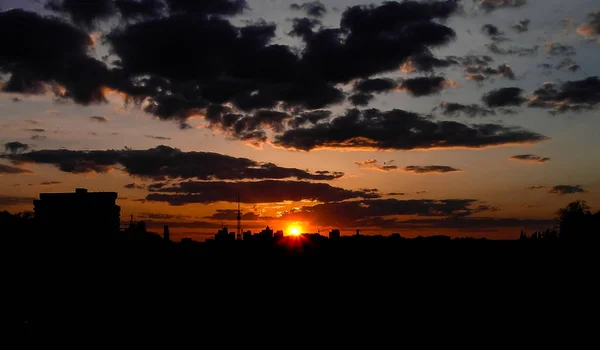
pixel 239 220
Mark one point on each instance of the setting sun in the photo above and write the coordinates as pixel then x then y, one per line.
pixel 294 230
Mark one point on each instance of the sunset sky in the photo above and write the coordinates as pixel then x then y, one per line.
pixel 464 118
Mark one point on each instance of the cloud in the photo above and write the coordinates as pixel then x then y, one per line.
pixel 135 186
pixel 357 213
pixel 480 73
pixel 162 216
pixel 424 86
pixel 38 137
pixel 493 32
pixel 157 137
pixel 426 169
pixel 133 9
pixel 378 85
pixel 511 96
pixel 400 130
pixel 55 59
pixel 6 201
pixel 374 165
pixel 99 119
pixel 568 64
pixel 361 99
pixel 163 162
pixel 464 224
pixel 531 158
pixel 396 194
pixel 231 214
pixel 513 50
pixel 536 187
pixel 570 96
pixel 36 130
pixel 562 190
pixel 591 28
pixel 558 49
pixel 15 147
pixel 267 191
pixel 522 26
pixel 49 183
pixel 32 121
pixel 314 8
pixel 452 109
pixel 491 5
pixel 9 170
pixel 426 62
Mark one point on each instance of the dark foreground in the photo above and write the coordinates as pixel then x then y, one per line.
pixel 96 292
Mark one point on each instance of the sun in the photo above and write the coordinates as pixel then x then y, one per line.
pixel 294 230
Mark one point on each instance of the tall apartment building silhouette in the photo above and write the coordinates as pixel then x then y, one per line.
pixel 78 212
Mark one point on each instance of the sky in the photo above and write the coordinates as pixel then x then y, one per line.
pixel 461 118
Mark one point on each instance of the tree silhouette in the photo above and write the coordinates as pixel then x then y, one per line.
pixel 577 222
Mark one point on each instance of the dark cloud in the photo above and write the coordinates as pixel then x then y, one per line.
pixel 401 130
pixel 493 32
pixel 314 8
pixel 55 58
pixel 134 9
pixel 568 64
pixel 570 96
pixel 372 86
pixel 567 189
pixel 452 109
pixel 157 137
pixel 361 99
pixel 6 201
pixel 36 130
pixel 491 5
pixel 531 158
pixel 591 28
pixel 473 60
pixel 374 165
pixel 204 7
pixel 268 191
pixel 166 162
pixel 7 170
pixel 135 186
pixel 178 224
pixel 231 214
pixel 83 13
pixel 558 49
pixel 49 183
pixel 513 50
pixel 100 119
pixel 522 26
pixel 396 194
pixel 356 213
pixel 303 27
pixel 536 187
pixel 503 97
pixel 425 169
pixel 424 86
pixel 15 147
pixel 309 118
pixel 426 62
pixel 163 216
pixel 38 137
pixel 480 73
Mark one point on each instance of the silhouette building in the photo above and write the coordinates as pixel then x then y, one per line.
pixel 78 212
pixel 334 234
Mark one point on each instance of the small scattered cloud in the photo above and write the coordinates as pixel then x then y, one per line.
pixel 452 109
pixel 37 130
pixel 558 49
pixel 425 86
pixel 38 137
pixel 393 194
pixel 100 119
pixel 591 28
pixel 536 187
pixel 157 137
pixel 492 5
pixel 511 96
pixel 50 183
pixel 522 26
pixel 426 169
pixel 531 158
pixel 135 186
pixel 10 170
pixel 15 147
pixel 562 190
pixel 513 50
pixel 314 8
pixel 373 164
pixel 32 121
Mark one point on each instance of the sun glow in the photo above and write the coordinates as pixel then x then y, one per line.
pixel 294 230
